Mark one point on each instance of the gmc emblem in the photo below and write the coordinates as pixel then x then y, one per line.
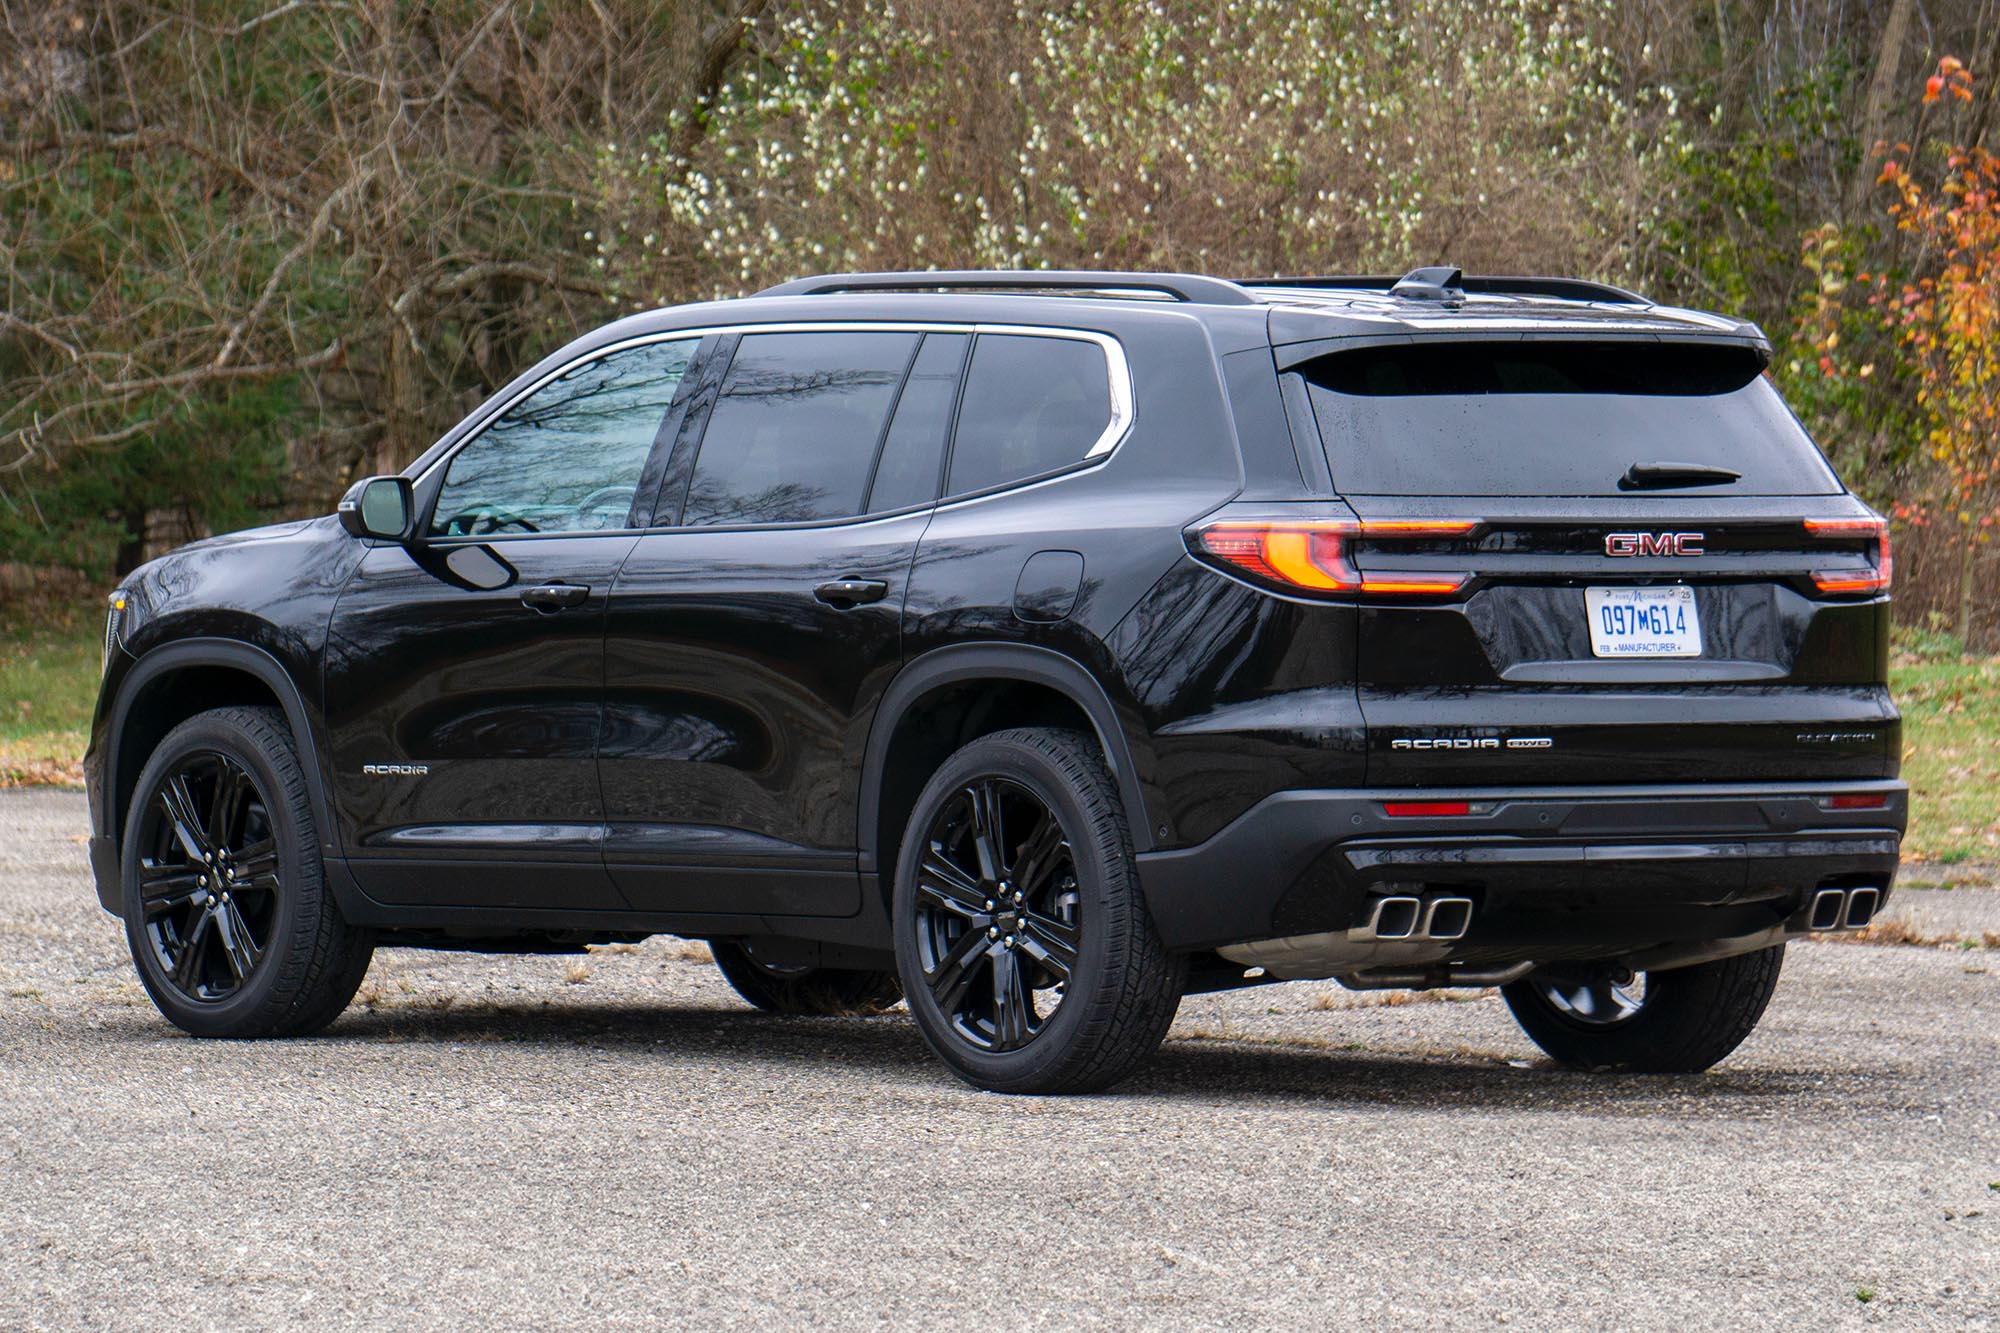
pixel 1653 543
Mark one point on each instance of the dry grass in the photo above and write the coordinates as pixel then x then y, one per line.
pixel 577 972
pixel 1395 999
pixel 33 763
pixel 1898 930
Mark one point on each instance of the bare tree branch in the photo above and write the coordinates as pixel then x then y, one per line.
pixel 719 46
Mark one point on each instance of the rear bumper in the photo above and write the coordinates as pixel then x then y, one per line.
pixel 1553 873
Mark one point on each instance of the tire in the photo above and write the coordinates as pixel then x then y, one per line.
pixel 1686 1020
pixel 250 944
pixel 963 922
pixel 826 991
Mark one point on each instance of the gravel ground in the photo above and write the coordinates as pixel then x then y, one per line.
pixel 617 1140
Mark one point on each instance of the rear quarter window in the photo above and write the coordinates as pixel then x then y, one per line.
pixel 1032 405
pixel 1555 418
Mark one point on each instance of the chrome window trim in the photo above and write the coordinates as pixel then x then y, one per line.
pixel 1117 370
pixel 1117 373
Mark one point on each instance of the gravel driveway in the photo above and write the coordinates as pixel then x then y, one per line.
pixel 615 1139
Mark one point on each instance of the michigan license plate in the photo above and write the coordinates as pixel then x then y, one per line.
pixel 1643 622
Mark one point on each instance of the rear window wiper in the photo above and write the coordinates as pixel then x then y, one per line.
pixel 1641 476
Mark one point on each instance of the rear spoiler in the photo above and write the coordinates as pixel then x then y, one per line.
pixel 1295 341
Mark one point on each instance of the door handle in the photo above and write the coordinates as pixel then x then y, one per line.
pixel 844 593
pixel 548 598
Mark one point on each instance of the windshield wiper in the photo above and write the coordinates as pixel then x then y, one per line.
pixel 1642 476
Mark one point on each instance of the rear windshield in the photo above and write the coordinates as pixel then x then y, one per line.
pixel 1550 418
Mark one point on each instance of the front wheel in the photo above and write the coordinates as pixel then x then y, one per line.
pixel 227 909
pixel 1598 1016
pixel 1027 955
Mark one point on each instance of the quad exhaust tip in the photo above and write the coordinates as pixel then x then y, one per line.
pixel 1401 917
pixel 1843 909
pixel 1448 919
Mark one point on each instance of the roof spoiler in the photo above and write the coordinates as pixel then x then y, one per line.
pixel 1190 287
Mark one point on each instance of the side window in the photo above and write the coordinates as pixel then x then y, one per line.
pixel 914 447
pixel 1032 405
pixel 566 458
pixel 794 433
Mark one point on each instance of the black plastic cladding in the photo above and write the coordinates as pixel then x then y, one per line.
pixel 699 746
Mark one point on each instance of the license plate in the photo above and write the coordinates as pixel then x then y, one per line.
pixel 1643 622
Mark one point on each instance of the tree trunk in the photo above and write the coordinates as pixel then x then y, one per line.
pixel 1968 567
pixel 131 540
pixel 1986 63
pixel 1875 111
pixel 397 444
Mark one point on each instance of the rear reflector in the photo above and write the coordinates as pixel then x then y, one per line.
pixel 1419 809
pixel 1854 580
pixel 1314 555
pixel 1873 800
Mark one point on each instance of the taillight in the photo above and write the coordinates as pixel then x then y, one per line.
pixel 1849 580
pixel 1314 555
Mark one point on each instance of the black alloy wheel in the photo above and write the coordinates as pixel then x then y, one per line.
pixel 1027 955
pixel 209 885
pixel 228 913
pixel 1599 997
pixel 998 914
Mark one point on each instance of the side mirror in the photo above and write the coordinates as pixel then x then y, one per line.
pixel 380 507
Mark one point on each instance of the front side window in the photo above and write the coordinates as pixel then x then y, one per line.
pixel 1031 405
pixel 795 431
pixel 567 457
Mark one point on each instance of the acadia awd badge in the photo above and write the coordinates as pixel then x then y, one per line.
pixel 1471 743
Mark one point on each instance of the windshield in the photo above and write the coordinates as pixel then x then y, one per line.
pixel 1559 418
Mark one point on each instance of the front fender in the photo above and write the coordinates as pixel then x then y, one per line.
pixel 111 769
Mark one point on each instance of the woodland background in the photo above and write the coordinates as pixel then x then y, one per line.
pixel 254 250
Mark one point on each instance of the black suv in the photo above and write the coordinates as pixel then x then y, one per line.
pixel 1040 647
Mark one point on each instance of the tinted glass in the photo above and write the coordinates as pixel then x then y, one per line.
pixel 567 457
pixel 794 433
pixel 1531 418
pixel 914 448
pixel 1032 405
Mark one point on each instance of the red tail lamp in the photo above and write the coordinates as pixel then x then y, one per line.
pixel 1847 580
pixel 1314 555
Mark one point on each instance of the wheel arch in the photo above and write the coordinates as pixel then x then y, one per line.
pixel 950 696
pixel 174 682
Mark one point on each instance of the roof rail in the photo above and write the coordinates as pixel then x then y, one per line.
pixel 1566 289
pixel 1189 287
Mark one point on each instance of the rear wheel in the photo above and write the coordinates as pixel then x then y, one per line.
pixel 227 910
pixel 804 990
pixel 1026 951
pixel 1602 1017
